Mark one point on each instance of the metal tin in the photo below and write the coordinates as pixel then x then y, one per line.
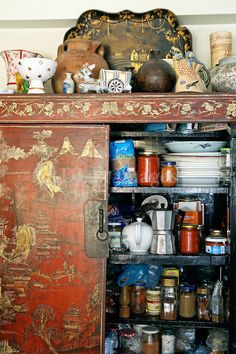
pixel 216 245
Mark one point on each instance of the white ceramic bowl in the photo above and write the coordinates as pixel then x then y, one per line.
pixel 195 146
pixel 36 71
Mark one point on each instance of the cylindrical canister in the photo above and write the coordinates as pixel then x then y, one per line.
pixel 220 46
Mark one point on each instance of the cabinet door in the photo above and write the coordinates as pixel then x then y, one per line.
pixel 52 294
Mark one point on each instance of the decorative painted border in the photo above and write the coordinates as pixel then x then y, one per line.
pixel 118 108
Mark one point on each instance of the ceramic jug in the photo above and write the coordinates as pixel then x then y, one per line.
pixel 138 236
pixel 10 57
pixel 156 75
pixel 223 76
pixel 72 54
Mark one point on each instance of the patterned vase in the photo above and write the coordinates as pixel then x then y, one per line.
pixel 10 57
pixel 223 76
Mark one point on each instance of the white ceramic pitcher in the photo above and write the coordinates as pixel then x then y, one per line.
pixel 138 236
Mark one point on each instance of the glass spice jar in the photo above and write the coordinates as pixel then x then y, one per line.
pixel 168 174
pixel 189 239
pixel 150 342
pixel 169 298
pixel 138 298
pixel 126 338
pixel 168 342
pixel 204 303
pixel 187 301
pixel 148 169
pixel 153 301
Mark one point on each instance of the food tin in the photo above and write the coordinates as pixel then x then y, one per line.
pixel 216 245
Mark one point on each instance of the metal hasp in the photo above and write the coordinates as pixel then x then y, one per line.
pixel 96 234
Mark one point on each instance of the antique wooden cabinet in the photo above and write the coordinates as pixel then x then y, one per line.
pixel 53 197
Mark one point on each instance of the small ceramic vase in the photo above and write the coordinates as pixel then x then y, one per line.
pixel 68 84
pixel 223 76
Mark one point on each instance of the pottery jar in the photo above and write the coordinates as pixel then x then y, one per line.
pixel 223 76
pixel 156 75
pixel 72 54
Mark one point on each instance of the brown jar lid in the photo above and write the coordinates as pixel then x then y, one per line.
pixel 147 153
pixel 203 290
pixel 216 233
pixel 189 226
pixel 169 281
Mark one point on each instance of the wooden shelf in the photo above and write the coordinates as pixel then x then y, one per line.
pixel 162 190
pixel 195 260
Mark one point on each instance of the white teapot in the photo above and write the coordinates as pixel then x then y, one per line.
pixel 137 236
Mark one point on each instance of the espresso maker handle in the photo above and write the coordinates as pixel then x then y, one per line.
pixel 181 213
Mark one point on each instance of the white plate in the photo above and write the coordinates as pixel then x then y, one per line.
pixel 159 199
pixel 209 158
pixel 198 181
pixel 195 146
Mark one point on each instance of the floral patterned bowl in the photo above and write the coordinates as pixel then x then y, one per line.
pixel 223 76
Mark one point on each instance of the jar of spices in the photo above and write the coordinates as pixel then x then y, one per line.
pixel 204 303
pixel 169 298
pixel 187 301
pixel 150 342
pixel 168 342
pixel 153 301
pixel 168 174
pixel 148 169
pixel 138 298
pixel 189 239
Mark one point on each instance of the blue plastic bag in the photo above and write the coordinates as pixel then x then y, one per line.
pixel 140 273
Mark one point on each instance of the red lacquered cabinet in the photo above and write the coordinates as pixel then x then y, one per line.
pixel 53 190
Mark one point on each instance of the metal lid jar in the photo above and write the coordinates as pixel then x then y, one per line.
pixel 150 342
pixel 169 298
pixel 168 174
pixel 138 298
pixel 187 301
pixel 204 303
pixel 189 239
pixel 148 169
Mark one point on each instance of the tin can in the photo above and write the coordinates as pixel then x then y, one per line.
pixel 153 301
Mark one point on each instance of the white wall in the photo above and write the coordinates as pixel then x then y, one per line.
pixel 40 26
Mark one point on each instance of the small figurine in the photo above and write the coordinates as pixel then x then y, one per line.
pixel 188 78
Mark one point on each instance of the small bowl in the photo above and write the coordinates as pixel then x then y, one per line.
pixel 36 71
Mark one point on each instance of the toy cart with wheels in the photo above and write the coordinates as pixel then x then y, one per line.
pixel 115 81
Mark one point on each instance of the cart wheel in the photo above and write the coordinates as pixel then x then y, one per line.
pixel 115 85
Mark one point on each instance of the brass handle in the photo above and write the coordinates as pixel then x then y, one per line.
pixel 101 234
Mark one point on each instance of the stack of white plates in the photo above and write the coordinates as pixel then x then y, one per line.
pixel 197 169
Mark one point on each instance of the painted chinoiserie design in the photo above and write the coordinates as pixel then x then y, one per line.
pixel 52 292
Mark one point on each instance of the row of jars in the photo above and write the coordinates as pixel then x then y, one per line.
pixel 151 173
pixel 140 339
pixel 170 300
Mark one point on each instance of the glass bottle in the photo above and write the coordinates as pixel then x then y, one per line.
pixel 168 342
pixel 169 298
pixel 68 84
pixel 124 301
pixel 150 342
pixel 204 303
pixel 138 298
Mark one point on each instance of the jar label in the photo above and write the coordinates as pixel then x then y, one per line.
pixel 217 250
